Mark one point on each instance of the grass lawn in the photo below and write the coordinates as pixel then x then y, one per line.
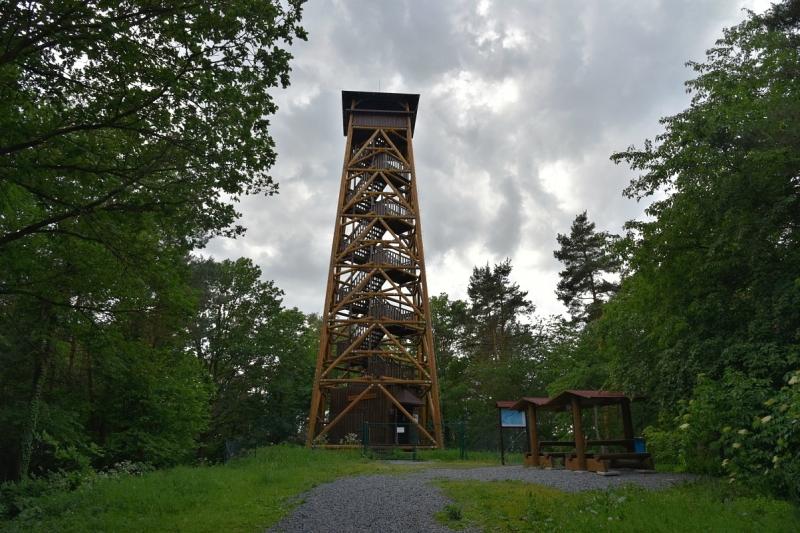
pixel 250 494
pixel 245 495
pixel 705 506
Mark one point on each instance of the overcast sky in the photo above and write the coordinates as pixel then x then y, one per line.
pixel 522 103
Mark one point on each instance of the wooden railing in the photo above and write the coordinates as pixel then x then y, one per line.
pixel 386 161
pixel 386 256
pixel 381 309
pixel 392 209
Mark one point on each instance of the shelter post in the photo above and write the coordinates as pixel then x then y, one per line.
pixel 533 434
pixel 627 422
pixel 577 424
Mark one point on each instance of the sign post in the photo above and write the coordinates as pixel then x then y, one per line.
pixel 508 419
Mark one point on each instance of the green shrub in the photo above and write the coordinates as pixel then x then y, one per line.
pixel 27 494
pixel 763 451
pixel 664 446
pixel 741 426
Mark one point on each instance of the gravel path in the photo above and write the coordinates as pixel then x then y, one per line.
pixel 406 503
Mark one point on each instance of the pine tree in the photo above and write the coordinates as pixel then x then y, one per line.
pixel 586 256
pixel 496 307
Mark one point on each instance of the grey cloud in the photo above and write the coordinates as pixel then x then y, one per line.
pixel 505 226
pixel 585 78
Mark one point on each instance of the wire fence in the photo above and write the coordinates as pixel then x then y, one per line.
pixel 397 439
pixel 405 441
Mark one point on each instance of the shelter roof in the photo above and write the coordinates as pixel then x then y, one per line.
pixel 504 405
pixel 406 398
pixel 539 403
pixel 388 103
pixel 591 398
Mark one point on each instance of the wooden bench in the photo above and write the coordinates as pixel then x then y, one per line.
pixel 625 443
pixel 603 462
pixel 546 459
pixel 557 443
pixel 629 455
pixel 641 460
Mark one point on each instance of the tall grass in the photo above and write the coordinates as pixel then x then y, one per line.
pixel 702 507
pixel 245 495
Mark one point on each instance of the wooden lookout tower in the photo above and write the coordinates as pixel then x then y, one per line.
pixel 375 380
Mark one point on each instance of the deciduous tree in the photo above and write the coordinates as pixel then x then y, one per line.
pixel 259 356
pixel 717 267
pixel 715 291
pixel 126 129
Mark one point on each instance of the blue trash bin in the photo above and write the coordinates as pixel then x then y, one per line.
pixel 638 445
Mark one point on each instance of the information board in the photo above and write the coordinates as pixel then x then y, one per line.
pixel 512 419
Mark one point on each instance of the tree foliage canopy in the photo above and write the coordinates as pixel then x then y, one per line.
pixel 717 270
pixel 126 130
pixel 713 304
pixel 133 92
pixel 130 126
pixel 259 356
pixel 497 313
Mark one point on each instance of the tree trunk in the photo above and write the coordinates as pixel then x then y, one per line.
pixel 31 419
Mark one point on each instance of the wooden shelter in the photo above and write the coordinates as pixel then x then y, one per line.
pixel 376 362
pixel 578 458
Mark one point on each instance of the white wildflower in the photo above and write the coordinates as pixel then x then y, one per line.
pixel 743 432
pixel 766 419
pixel 737 445
pixel 684 426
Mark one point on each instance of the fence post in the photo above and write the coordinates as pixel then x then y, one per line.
pixel 365 437
pixel 413 442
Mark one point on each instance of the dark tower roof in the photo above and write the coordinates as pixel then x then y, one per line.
pixel 379 103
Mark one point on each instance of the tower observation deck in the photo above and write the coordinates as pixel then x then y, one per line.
pixel 376 371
